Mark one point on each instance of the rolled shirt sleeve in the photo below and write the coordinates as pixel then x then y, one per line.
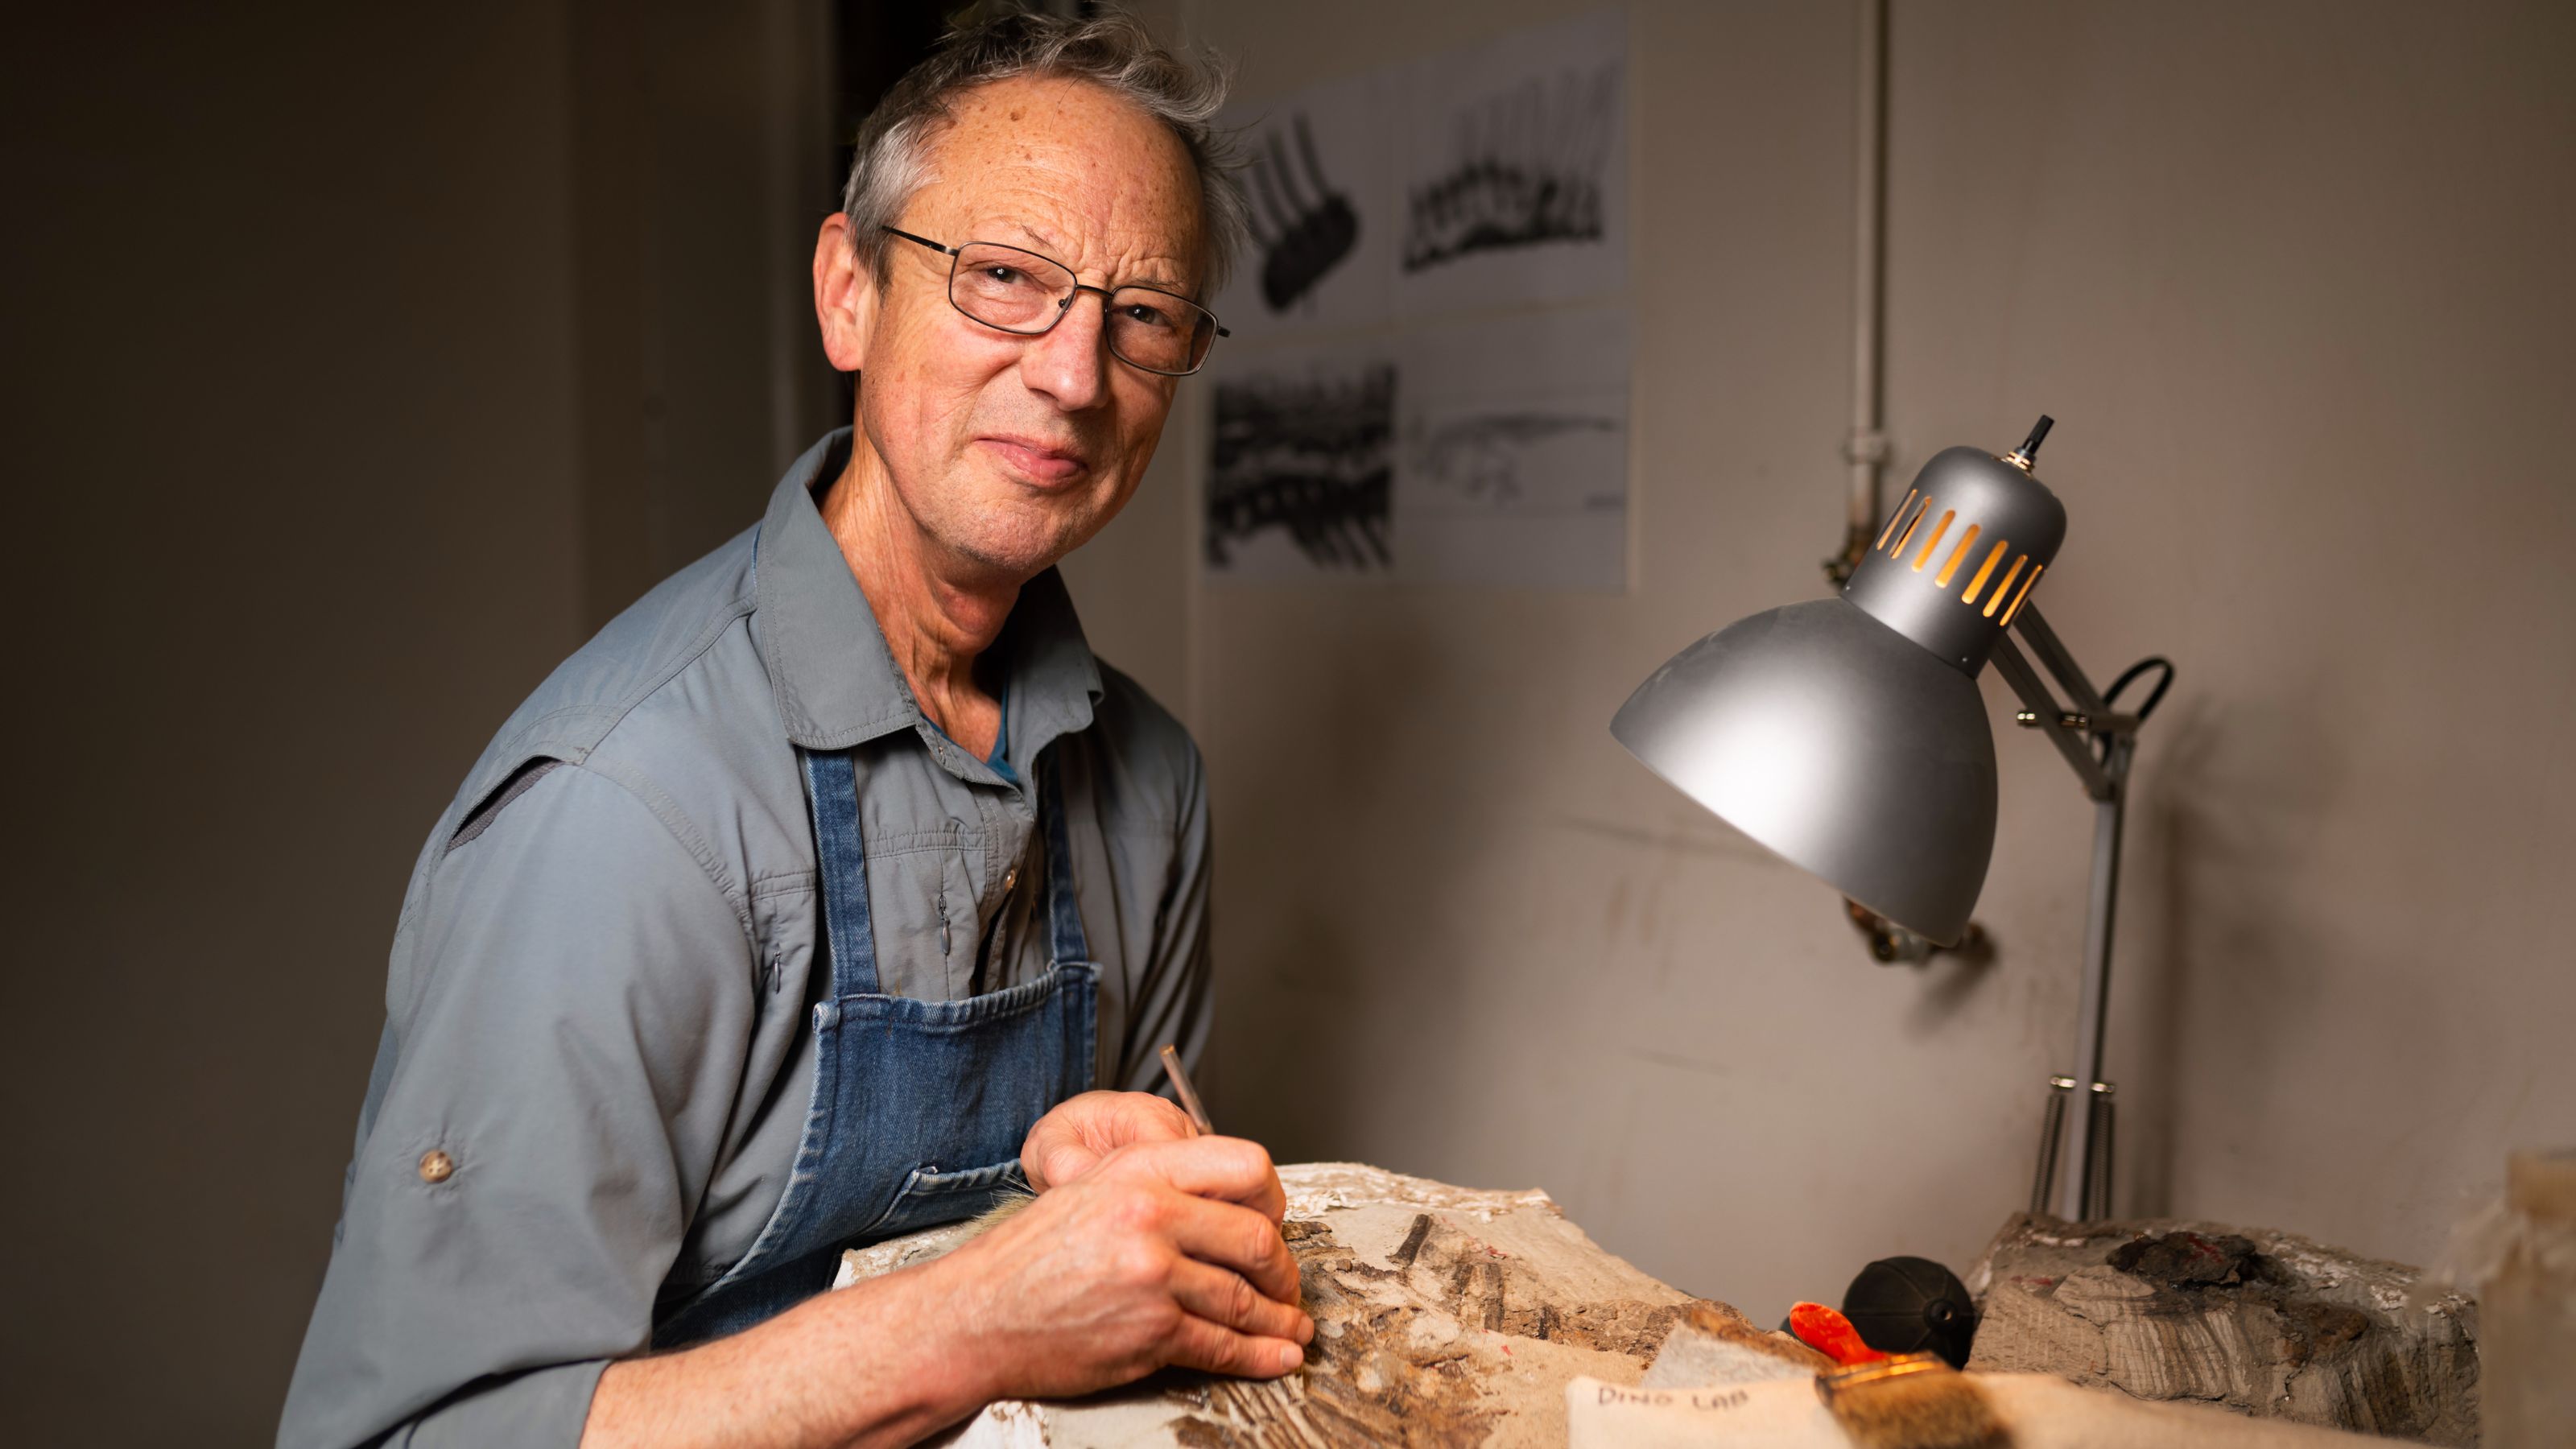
pixel 568 1017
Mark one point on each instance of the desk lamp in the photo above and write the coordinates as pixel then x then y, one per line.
pixel 1847 736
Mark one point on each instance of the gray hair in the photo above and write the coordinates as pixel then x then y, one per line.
pixel 1111 50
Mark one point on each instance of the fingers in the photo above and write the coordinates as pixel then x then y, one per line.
pixel 1144 1117
pixel 1072 1139
pixel 1200 1344
pixel 1124 1270
pixel 1227 1169
pixel 1047 1165
pixel 1232 1236
pixel 1227 1300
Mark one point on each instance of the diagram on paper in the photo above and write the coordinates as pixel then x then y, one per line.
pixel 1512 179
pixel 1301 469
pixel 1485 452
pixel 1527 165
pixel 1304 226
pixel 1425 385
pixel 1512 465
pixel 1318 191
pixel 1493 174
pixel 1502 459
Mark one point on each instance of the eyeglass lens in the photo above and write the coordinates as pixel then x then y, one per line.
pixel 1023 292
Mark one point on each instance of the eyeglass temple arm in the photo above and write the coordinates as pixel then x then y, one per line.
pixel 921 241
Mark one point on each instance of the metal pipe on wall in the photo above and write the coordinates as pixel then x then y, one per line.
pixel 1865 449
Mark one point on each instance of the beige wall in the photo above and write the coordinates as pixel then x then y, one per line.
pixel 2293 280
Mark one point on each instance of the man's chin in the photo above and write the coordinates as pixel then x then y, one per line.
pixel 1011 543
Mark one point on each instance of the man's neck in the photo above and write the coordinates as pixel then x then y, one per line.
pixel 939 612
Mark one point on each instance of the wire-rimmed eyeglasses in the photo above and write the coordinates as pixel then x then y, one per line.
pixel 1012 289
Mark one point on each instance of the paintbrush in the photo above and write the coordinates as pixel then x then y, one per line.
pixel 1008 1204
pixel 1189 1095
pixel 1893 1401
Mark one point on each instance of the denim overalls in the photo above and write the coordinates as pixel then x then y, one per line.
pixel 919 1107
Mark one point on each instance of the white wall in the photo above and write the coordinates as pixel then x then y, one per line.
pixel 2293 281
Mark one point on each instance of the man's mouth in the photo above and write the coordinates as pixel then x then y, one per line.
pixel 1041 462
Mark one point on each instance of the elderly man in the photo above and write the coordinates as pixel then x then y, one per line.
pixel 813 900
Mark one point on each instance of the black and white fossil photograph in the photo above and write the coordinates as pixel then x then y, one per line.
pixel 1512 181
pixel 1501 458
pixel 1457 221
pixel 1318 186
pixel 1301 470
pixel 1512 452
pixel 1305 231
pixel 1527 167
pixel 1489 175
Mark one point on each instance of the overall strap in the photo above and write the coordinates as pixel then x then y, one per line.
pixel 831 779
pixel 1064 915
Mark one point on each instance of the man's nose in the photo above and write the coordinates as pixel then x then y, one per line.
pixel 1070 363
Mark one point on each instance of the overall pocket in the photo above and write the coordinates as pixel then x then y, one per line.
pixel 931 1197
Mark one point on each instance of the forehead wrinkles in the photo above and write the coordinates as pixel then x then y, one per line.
pixel 1109 190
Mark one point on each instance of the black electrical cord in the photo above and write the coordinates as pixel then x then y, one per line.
pixel 2129 676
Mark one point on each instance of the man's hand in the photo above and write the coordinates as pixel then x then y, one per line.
pixel 1068 1141
pixel 1160 1254
pixel 1164 1252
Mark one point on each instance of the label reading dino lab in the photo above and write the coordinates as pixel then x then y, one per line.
pixel 1706 1400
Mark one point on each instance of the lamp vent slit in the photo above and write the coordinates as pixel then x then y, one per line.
pixel 1986 572
pixel 1907 536
pixel 1966 540
pixel 2024 594
pixel 1934 541
pixel 2005 587
pixel 1893 518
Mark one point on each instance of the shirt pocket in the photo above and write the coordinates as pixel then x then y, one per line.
pixel 922 912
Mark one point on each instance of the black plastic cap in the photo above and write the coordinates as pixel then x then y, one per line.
pixel 1912 1305
pixel 2029 448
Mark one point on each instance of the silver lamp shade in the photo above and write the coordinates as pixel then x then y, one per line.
pixel 1847 734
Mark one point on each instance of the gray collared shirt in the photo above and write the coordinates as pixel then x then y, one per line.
pixel 596 1059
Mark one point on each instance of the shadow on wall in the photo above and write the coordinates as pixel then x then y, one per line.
pixel 2232 804
pixel 2162 820
pixel 1311 802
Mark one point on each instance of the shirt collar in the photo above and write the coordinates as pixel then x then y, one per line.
pixel 835 680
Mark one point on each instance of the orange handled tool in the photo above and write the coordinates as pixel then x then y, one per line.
pixel 1831 1334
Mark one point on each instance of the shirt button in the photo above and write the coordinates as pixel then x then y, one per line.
pixel 1010 877
pixel 436 1166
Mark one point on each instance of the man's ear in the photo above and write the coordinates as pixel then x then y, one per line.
pixel 845 296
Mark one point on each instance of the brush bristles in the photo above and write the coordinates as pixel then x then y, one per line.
pixel 1910 1405
pixel 1004 1208
pixel 1729 1328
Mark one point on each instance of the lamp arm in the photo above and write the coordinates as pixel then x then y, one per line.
pixel 2081 1188
pixel 2043 710
pixel 2060 664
